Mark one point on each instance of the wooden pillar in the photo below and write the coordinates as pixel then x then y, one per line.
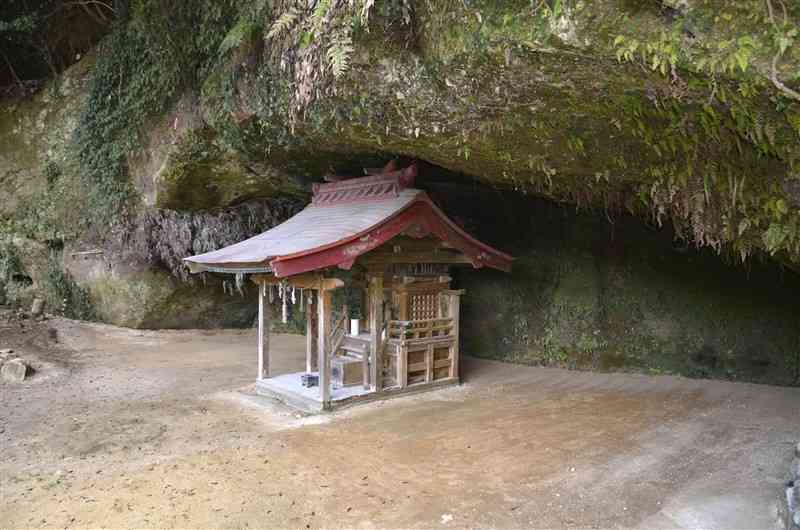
pixel 366 371
pixel 454 310
pixel 375 328
pixel 429 363
pixel 403 312
pixel 264 317
pixel 311 336
pixel 364 294
pixel 324 316
pixel 402 366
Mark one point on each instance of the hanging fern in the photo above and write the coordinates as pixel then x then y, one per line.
pixel 313 43
pixel 242 31
pixel 321 10
pixel 284 23
pixel 339 53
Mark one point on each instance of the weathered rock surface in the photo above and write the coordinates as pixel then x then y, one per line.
pixel 540 105
pixel 14 371
pixel 125 280
pixel 686 130
pixel 37 307
pixel 590 295
pixel 5 355
pixel 792 504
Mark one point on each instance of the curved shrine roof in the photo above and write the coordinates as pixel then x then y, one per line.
pixel 344 220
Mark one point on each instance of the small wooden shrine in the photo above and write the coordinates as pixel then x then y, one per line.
pixel 408 338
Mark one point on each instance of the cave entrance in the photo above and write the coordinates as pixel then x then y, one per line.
pixel 607 290
pixel 400 248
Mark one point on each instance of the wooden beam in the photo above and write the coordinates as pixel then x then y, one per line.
pixel 324 315
pixel 375 327
pixel 264 318
pixel 309 280
pixel 426 287
pixel 429 363
pixel 402 244
pixel 311 337
pixel 402 366
pixel 442 278
pixel 402 305
pixel 368 354
pixel 258 279
pixel 454 311
pixel 445 258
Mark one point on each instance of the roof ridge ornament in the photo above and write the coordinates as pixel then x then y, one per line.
pixel 385 185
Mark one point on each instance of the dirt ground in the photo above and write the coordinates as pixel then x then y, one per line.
pixel 123 428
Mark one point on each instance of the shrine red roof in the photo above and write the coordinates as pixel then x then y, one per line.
pixel 345 220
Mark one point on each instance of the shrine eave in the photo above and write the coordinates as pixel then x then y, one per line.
pixel 344 221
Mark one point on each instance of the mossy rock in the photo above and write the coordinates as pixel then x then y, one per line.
pixel 155 300
pixel 199 174
pixel 589 295
pixel 34 138
pixel 537 101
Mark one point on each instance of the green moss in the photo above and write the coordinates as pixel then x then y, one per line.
pixel 127 301
pixel 535 101
pixel 155 300
pixel 10 272
pixel 34 133
pixel 200 174
pixel 155 56
pixel 62 295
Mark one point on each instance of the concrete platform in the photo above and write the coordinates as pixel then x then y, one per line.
pixel 288 389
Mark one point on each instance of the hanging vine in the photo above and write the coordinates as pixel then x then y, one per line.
pixel 312 42
pixel 784 34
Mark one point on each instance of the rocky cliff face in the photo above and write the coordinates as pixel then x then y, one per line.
pixel 591 294
pixel 192 127
pixel 663 110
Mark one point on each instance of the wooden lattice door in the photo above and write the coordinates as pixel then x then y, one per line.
pixel 419 298
pixel 423 306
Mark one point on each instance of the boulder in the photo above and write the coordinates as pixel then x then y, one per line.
pixel 796 496
pixel 14 371
pixel 5 355
pixel 793 493
pixel 37 306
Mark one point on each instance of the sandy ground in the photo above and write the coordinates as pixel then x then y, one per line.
pixel 123 429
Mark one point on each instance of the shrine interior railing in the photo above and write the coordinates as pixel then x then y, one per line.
pixel 420 331
pixel 337 334
pixel 419 351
